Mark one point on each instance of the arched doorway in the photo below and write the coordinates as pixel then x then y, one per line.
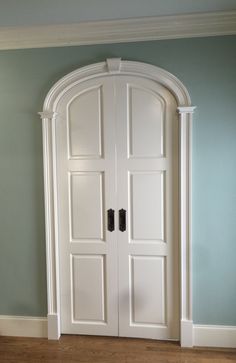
pixel 122 263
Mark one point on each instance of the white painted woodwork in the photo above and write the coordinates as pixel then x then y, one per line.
pixel 186 329
pixel 117 31
pixel 88 288
pixel 145 141
pixel 148 298
pixel 214 336
pixel 148 190
pixel 23 326
pixel 84 124
pixel 147 226
pixel 86 206
pixel 51 119
pixel 26 326
pixel 135 173
pixel 86 190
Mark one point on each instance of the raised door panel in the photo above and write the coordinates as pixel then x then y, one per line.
pixel 147 206
pixel 87 210
pixel 146 112
pixel 148 290
pixel 85 124
pixel 89 299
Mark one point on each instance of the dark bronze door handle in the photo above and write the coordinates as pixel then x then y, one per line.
pixel 111 220
pixel 122 220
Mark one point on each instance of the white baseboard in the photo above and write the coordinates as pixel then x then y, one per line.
pixel 23 326
pixel 191 334
pixel 214 336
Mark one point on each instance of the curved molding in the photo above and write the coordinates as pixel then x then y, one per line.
pixel 114 66
pixel 117 31
pixel 49 119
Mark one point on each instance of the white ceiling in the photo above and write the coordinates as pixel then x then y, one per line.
pixel 42 12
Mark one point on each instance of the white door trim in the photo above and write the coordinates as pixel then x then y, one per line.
pixel 49 116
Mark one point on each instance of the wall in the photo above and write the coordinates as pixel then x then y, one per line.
pixel 207 67
pixel 35 12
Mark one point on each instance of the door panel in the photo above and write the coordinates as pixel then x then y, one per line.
pixel 148 191
pixel 86 167
pixel 87 199
pixel 89 299
pixel 148 290
pixel 85 124
pixel 145 105
pixel 147 208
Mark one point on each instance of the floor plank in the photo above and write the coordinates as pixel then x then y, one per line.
pixel 85 349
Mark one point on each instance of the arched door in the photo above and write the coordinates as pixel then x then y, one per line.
pixel 117 165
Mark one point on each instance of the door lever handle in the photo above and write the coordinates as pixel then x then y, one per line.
pixel 111 220
pixel 122 220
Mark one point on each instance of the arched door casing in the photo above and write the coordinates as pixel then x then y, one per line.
pixel 52 114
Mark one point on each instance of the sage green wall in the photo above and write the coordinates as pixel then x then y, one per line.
pixel 207 67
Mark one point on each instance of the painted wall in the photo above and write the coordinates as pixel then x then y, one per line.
pixel 207 67
pixel 35 12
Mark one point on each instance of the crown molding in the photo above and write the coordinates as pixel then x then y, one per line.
pixel 117 31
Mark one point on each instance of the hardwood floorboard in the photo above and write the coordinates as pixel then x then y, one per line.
pixel 85 349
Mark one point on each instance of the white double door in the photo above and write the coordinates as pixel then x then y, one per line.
pixel 117 155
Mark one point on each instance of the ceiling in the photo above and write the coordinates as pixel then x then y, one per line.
pixel 48 12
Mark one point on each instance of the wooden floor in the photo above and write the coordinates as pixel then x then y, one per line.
pixel 81 349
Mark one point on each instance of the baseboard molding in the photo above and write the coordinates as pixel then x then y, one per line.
pixel 23 326
pixel 117 31
pixel 191 334
pixel 214 336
